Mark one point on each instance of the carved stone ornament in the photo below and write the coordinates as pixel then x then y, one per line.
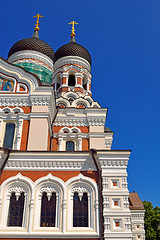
pixel 17 191
pixel 80 191
pixel 48 190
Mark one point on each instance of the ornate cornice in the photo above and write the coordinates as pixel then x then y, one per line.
pixel 72 60
pixel 28 54
pixel 50 165
pixel 70 122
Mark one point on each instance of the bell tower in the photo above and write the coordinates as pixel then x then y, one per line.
pixel 72 66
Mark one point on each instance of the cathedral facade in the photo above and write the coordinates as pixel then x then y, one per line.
pixel 60 179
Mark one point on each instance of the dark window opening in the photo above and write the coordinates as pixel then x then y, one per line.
pixel 48 210
pixel 71 81
pixel 74 131
pixel 58 85
pixel 69 146
pixel 85 86
pixel 6 111
pixel 16 207
pixel 9 135
pixel 80 210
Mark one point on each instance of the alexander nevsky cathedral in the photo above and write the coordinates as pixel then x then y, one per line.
pixel 59 176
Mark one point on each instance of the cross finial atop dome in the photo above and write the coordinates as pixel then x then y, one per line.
pixel 37 22
pixel 73 29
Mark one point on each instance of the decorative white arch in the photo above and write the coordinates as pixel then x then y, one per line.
pixel 81 101
pixel 20 110
pixel 7 109
pixel 69 136
pixel 17 184
pixel 48 184
pixel 63 101
pixel 83 184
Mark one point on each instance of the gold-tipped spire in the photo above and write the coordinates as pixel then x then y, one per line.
pixel 37 22
pixel 73 29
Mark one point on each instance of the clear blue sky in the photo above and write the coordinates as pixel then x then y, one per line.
pixel 123 37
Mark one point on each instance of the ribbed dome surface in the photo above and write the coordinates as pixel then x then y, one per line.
pixel 72 49
pixel 34 44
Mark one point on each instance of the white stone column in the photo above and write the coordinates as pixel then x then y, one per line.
pixel 79 144
pixel 60 140
pixel 62 76
pixel 79 76
pixel 64 209
pixel 30 222
pixel 18 134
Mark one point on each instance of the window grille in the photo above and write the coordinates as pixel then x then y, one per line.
pixel 69 146
pixel 9 135
pixel 16 208
pixel 80 210
pixel 48 210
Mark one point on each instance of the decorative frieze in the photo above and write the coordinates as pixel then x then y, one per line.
pixel 127 223
pixel 106 203
pixel 126 203
pixel 50 165
pixel 105 183
pixel 80 191
pixel 48 190
pixel 17 191
pixel 107 224
pixel 124 183
pixel 70 122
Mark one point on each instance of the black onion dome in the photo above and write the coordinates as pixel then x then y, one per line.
pixel 72 49
pixel 33 43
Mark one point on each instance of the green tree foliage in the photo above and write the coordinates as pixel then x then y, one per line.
pixel 151 221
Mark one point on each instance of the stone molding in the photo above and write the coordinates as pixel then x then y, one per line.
pixel 62 161
pixel 64 206
pixel 28 54
pixel 71 60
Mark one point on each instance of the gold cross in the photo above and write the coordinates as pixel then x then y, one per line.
pixel 37 22
pixel 73 29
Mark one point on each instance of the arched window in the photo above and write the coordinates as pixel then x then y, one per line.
pixel 16 208
pixel 69 146
pixel 9 135
pixel 48 210
pixel 80 210
pixel 71 81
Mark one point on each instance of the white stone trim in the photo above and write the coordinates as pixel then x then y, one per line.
pixel 21 85
pixel 82 184
pixel 32 55
pixel 18 184
pixel 51 184
pixel 72 60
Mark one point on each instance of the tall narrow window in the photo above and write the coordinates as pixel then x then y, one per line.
pixel 71 81
pixel 80 210
pixel 69 146
pixel 48 210
pixel 9 135
pixel 16 208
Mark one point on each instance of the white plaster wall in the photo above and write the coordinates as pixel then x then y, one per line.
pixel 97 143
pixel 96 129
pixel 39 108
pixel 38 134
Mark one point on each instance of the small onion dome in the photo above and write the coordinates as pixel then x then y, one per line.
pixel 72 49
pixel 33 43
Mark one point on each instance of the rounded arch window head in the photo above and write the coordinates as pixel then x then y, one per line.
pixel 16 110
pixel 71 80
pixel 70 146
pixel 6 110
